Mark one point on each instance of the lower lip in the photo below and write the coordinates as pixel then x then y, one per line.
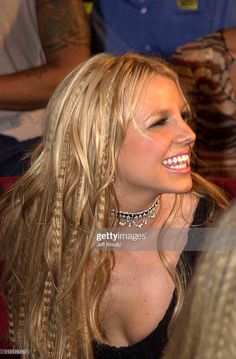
pixel 180 171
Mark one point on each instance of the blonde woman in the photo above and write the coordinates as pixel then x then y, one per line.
pixel 116 153
pixel 206 327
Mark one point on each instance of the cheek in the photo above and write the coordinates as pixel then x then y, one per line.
pixel 155 150
pixel 141 152
pixel 133 149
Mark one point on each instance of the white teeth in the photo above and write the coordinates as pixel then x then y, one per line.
pixel 181 160
pixel 183 165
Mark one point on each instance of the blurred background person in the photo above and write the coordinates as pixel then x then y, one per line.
pixel 206 326
pixel 156 27
pixel 207 68
pixel 40 42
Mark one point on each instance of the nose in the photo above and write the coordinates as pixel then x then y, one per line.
pixel 184 134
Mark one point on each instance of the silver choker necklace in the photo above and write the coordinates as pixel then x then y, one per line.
pixel 137 219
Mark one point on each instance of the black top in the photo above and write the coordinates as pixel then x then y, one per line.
pixel 153 345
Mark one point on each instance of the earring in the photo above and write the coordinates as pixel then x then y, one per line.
pixel 113 179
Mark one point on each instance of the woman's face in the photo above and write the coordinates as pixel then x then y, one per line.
pixel 158 162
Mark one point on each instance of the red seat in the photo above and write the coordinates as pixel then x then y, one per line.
pixel 5 182
pixel 227 184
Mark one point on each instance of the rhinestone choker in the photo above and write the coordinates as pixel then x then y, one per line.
pixel 137 219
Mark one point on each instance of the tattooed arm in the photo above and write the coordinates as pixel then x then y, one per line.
pixel 65 36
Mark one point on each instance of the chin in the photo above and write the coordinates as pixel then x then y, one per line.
pixel 183 186
pixel 186 188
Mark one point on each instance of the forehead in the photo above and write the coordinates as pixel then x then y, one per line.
pixel 160 94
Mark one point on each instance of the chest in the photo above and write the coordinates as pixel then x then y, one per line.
pixel 137 298
pixel 141 288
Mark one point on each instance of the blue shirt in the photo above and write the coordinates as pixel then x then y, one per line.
pixel 156 26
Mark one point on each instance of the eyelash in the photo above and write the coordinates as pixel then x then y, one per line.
pixel 186 116
pixel 160 122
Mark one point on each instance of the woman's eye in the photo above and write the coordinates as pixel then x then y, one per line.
pixel 158 123
pixel 186 116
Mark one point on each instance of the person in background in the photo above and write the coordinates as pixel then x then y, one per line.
pixel 40 42
pixel 156 27
pixel 115 156
pixel 206 326
pixel 207 68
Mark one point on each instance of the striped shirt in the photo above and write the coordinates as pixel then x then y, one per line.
pixel 204 67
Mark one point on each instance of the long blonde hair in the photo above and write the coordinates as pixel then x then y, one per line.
pixel 54 279
pixel 206 327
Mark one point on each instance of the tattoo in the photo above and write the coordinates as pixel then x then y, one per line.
pixel 62 23
pixel 37 72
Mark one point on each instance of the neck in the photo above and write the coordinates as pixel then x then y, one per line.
pixel 137 201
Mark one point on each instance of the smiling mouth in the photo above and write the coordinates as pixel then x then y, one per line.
pixel 177 162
